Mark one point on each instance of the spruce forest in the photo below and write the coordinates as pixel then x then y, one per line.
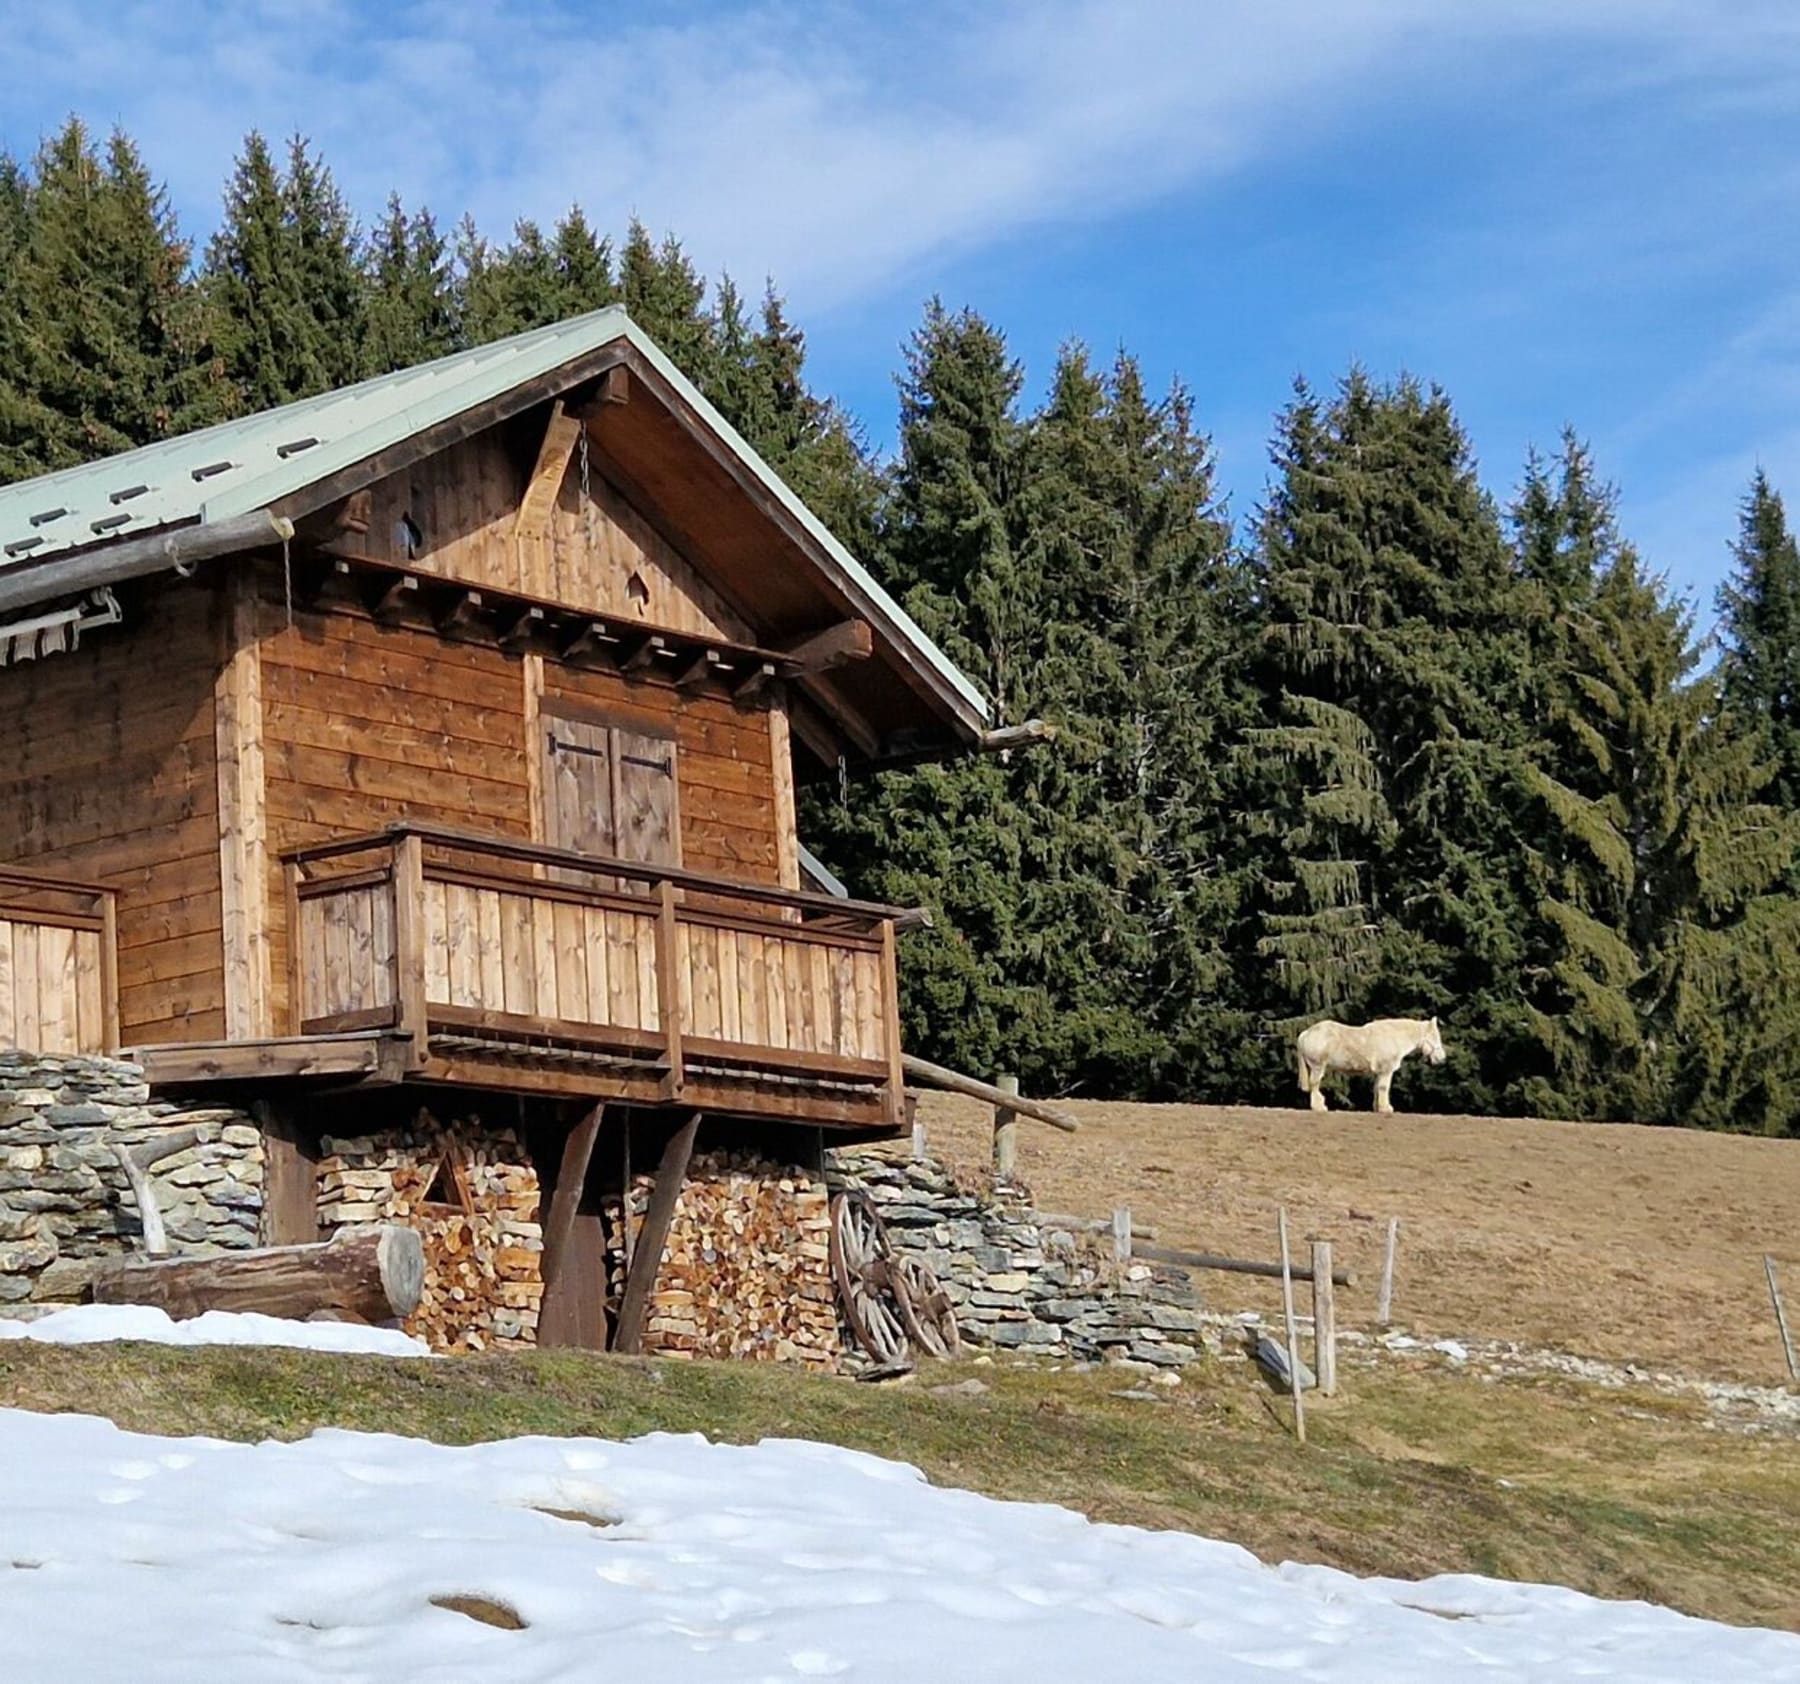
pixel 1390 743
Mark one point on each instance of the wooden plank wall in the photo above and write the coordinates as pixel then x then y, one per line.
pixel 364 725
pixel 464 504
pixel 108 773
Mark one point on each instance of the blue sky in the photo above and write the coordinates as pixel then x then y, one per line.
pixel 1562 210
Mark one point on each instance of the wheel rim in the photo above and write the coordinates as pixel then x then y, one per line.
pixel 926 1309
pixel 861 1266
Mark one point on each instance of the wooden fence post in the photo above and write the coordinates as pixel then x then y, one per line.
pixel 1121 1233
pixel 1384 1303
pixel 1006 1132
pixel 1293 1339
pixel 1324 1319
pixel 1787 1344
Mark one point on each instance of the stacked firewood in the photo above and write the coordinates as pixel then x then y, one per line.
pixel 747 1270
pixel 473 1196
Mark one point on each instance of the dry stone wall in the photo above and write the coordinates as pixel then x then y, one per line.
pixel 65 1203
pixel 1017 1285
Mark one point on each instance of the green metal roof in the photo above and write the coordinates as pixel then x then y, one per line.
pixel 239 467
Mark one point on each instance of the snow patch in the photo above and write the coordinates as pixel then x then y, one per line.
pixel 334 1558
pixel 91 1324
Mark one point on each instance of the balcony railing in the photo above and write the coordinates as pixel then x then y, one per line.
pixel 59 989
pixel 466 942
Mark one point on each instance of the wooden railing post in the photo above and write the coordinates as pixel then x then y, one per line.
pixel 410 934
pixel 296 969
pixel 668 989
pixel 890 1023
pixel 1006 1132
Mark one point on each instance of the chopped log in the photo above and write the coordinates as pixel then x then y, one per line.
pixel 628 1337
pixel 136 1162
pixel 935 1075
pixel 375 1273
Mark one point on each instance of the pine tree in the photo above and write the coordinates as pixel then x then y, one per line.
pixel 1759 614
pixel 285 278
pixel 411 313
pixel 103 343
pixel 667 299
pixel 1394 664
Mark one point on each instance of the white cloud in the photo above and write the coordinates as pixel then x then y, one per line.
pixel 837 146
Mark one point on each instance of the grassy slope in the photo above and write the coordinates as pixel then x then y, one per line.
pixel 1619 1495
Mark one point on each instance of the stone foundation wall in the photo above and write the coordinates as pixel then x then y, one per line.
pixel 1018 1285
pixel 64 1201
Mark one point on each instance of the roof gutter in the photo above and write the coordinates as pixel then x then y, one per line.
pixel 69 575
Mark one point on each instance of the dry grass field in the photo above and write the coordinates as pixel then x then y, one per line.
pixel 1636 1244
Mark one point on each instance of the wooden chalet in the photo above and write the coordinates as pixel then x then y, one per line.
pixel 434 742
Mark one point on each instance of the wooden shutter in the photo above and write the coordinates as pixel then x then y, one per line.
pixel 610 790
pixel 645 810
pixel 578 786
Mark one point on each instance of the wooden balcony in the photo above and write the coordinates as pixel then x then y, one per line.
pixel 59 988
pixel 511 966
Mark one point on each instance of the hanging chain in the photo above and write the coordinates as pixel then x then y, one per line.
pixel 287 582
pixel 587 501
pixel 843 782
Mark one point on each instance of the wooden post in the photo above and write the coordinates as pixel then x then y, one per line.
pixel 1121 1233
pixel 668 990
pixel 1006 1131
pixel 918 1141
pixel 296 970
pixel 109 970
pixel 573 1311
pixel 1293 1340
pixel 890 1024
pixel 408 887
pixel 290 1178
pixel 1324 1319
pixel 1384 1303
pixel 1787 1344
pixel 634 1306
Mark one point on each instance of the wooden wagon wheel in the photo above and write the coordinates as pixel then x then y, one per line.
pixel 925 1307
pixel 860 1264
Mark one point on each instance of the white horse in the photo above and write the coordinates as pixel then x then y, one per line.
pixel 1377 1049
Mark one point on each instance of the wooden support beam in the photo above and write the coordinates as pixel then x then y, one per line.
pixel 560 435
pixel 573 1311
pixel 698 668
pixel 848 640
pixel 460 615
pixel 523 625
pixel 585 638
pixel 243 818
pixel 389 595
pixel 752 681
pixel 613 387
pixel 637 651
pixel 647 1253
pixel 668 990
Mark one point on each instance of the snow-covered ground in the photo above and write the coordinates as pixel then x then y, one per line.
pixel 668 1558
pixel 92 1324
